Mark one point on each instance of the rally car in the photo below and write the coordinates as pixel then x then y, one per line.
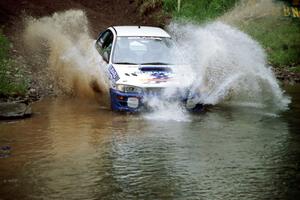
pixel 139 66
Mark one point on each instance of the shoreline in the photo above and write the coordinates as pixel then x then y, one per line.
pixel 282 75
pixel 286 77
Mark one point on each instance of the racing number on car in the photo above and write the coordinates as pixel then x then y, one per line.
pixel 113 73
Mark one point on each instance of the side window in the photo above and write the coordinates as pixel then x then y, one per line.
pixel 104 43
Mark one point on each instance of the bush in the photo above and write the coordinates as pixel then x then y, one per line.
pixel 4 47
pixel 12 82
pixel 199 11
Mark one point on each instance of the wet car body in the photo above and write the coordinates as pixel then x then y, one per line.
pixel 139 66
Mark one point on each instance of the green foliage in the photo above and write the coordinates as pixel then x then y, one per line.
pixel 295 69
pixel 11 78
pixel 280 38
pixel 199 11
pixel 4 47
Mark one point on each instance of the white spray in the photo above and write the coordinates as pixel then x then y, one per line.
pixel 227 65
pixel 224 66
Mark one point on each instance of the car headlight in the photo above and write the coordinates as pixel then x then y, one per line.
pixel 128 88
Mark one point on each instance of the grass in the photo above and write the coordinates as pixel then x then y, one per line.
pixel 280 37
pixel 195 10
pixel 12 81
pixel 199 11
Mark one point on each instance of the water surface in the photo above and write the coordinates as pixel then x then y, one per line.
pixel 72 149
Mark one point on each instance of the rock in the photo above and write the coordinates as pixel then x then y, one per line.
pixel 11 110
pixel 5 148
pixel 32 90
pixel 5 151
pixel 33 94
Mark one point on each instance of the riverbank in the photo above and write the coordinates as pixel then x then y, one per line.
pixel 15 77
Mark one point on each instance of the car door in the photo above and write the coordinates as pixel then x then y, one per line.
pixel 104 45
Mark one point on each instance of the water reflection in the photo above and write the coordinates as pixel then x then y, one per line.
pixel 72 149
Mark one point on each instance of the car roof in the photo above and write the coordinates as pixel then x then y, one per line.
pixel 146 31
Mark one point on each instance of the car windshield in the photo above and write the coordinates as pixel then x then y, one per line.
pixel 143 50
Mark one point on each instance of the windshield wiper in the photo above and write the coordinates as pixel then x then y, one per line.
pixel 155 63
pixel 125 63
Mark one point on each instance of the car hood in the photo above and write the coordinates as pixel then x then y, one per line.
pixel 144 75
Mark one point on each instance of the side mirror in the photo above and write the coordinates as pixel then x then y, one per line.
pixel 105 56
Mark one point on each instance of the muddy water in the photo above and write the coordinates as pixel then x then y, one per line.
pixel 72 149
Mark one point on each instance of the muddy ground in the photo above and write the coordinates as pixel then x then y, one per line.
pixel 101 13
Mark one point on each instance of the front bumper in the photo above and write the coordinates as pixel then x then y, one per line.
pixel 134 102
pixel 119 101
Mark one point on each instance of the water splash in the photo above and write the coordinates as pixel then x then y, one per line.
pixel 227 65
pixel 166 111
pixel 71 55
pixel 220 62
pixel 223 65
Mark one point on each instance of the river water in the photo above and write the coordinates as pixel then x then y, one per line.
pixel 72 149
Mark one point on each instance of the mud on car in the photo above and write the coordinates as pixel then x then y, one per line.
pixel 139 66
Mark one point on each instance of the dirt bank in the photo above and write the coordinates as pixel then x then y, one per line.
pixel 101 13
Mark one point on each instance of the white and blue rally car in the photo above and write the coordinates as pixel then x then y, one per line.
pixel 139 66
